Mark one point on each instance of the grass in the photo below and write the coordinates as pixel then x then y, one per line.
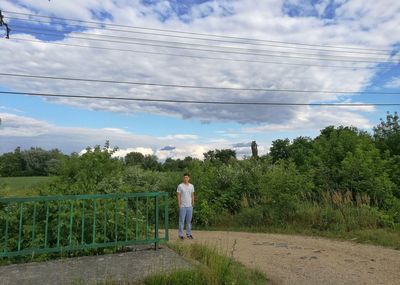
pixel 214 268
pixel 22 186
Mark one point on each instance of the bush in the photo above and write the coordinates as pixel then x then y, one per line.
pixel 250 217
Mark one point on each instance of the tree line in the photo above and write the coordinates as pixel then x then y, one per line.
pixel 344 178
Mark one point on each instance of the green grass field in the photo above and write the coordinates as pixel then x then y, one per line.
pixel 21 186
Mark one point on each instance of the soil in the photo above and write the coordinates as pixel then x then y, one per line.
pixel 289 259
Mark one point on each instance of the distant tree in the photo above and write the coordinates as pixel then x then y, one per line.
pixel 387 139
pixel 150 162
pixel 300 151
pixel 209 155
pixel 95 171
pixel 223 155
pixel 279 150
pixel 387 134
pixel 134 158
pixel 12 164
pixel 254 149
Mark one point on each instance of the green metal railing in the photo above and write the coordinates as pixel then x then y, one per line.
pixel 52 224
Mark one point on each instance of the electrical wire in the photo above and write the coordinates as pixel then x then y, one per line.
pixel 193 33
pixel 353 67
pixel 42 31
pixel 196 87
pixel 214 40
pixel 219 51
pixel 198 101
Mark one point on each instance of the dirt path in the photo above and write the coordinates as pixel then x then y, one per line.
pixel 299 260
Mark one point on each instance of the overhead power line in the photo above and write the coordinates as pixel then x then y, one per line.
pixel 214 40
pixel 219 51
pixel 194 33
pixel 198 101
pixel 353 67
pixel 222 49
pixel 194 86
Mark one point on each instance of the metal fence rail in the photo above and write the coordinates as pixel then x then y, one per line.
pixel 52 224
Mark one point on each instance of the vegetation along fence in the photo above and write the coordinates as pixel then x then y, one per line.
pixel 54 224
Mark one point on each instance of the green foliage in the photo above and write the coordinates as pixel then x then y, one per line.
pixel 387 134
pixel 279 149
pixel 215 269
pixel 283 189
pixel 344 179
pixel 32 162
pixel 134 158
pixel 95 171
pixel 222 156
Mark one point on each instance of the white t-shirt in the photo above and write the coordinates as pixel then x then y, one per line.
pixel 186 194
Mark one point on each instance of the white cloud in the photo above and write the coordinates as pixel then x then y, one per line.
pixel 181 137
pixel 393 83
pixel 318 118
pixel 27 132
pixel 123 152
pixel 21 126
pixel 357 23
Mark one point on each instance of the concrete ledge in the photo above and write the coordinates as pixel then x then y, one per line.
pixel 128 266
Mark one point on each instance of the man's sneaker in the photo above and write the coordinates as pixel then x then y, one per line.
pixel 189 236
pixel 181 237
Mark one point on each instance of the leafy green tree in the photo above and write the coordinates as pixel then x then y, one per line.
pixel 95 171
pixel 364 171
pixel 151 162
pixel 12 164
pixel 300 152
pixel 279 150
pixel 330 148
pixel 223 155
pixel 387 134
pixel 134 158
pixel 283 189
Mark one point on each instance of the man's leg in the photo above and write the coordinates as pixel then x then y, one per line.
pixel 182 214
pixel 189 214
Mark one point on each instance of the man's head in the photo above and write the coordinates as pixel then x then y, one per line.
pixel 186 177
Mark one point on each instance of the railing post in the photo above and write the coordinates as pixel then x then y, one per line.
pixel 47 225
pixel 126 219
pixel 156 225
pixel 166 217
pixel 34 223
pixel 115 220
pixel 71 217
pixel 105 220
pixel 20 227
pixel 6 231
pixel 136 218
pixel 147 218
pixel 94 222
pixel 83 223
pixel 58 223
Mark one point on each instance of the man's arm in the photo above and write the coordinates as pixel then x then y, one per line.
pixel 178 194
pixel 192 199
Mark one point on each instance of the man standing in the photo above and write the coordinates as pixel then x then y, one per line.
pixel 185 193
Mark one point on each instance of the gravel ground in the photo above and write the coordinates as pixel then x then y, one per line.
pixel 288 259
pixel 131 266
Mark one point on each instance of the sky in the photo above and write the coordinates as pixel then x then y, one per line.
pixel 351 46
